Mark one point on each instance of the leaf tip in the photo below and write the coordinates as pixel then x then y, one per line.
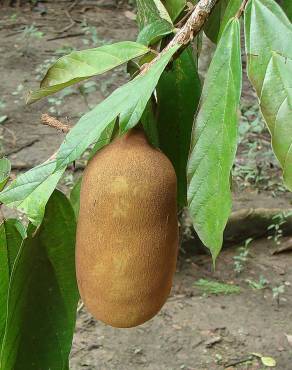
pixel 29 99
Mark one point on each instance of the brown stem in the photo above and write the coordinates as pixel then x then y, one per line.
pixel 241 9
pixel 185 17
pixel 191 28
pixel 53 122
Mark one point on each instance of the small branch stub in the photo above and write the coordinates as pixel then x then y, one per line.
pixel 53 122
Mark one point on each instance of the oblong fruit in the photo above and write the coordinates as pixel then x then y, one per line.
pixel 127 234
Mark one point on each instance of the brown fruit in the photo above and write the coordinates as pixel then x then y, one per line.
pixel 127 235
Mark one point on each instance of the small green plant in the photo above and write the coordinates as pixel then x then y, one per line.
pixel 277 293
pixel 91 31
pixel 13 17
pixel 216 287
pixel 43 67
pixel 32 31
pixel 241 259
pixel 63 50
pixel 28 34
pixel 276 227
pixel 57 101
pixel 258 285
pixel 253 167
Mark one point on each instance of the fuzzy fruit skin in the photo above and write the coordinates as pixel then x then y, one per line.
pixel 127 234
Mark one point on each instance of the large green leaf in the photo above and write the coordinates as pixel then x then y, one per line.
pixel 80 65
pixel 153 20
pixel 5 168
pixel 127 102
pixel 178 94
pixel 30 191
pixel 43 294
pixel 269 50
pixel 287 6
pixel 12 232
pixel 214 141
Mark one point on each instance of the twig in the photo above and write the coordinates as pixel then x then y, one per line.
pixel 70 25
pixel 11 133
pixel 66 36
pixel 21 166
pixel 53 122
pixel 239 361
pixel 25 145
pixel 241 9
pixel 73 5
pixel 191 28
pixel 80 306
pixel 11 25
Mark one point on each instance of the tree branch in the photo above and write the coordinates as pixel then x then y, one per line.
pixel 191 28
pixel 194 24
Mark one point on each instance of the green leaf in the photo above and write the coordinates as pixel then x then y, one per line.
pixel 30 191
pixel 5 168
pixel 75 196
pixel 153 20
pixel 153 32
pixel 214 141
pixel 287 6
pixel 276 106
pixel 149 123
pixel 230 11
pixel 127 102
pixel 212 26
pixel 268 361
pixel 178 94
pixel 150 11
pixel 260 39
pixel 220 16
pixel 12 232
pixel 80 65
pixel 43 294
pixel 174 7
pixel 270 71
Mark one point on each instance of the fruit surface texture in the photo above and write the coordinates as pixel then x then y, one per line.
pixel 127 234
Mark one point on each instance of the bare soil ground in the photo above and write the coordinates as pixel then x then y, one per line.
pixel 195 330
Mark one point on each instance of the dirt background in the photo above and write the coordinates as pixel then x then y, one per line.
pixel 195 330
